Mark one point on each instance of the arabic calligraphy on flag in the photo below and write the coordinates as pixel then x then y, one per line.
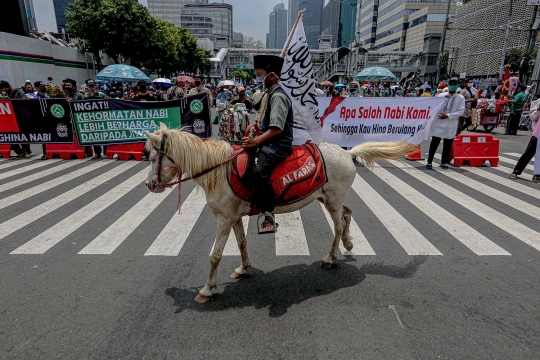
pixel 298 82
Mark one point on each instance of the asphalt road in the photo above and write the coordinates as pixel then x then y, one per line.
pixel 87 272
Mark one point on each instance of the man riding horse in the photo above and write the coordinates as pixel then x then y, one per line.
pixel 274 144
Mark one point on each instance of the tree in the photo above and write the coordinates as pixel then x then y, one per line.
pixel 164 50
pixel 239 74
pixel 250 43
pixel 513 58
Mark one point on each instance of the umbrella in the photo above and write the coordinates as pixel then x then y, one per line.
pixel 166 83
pixel 376 73
pixel 183 78
pixel 367 85
pixel 122 73
pixel 327 83
pixel 340 85
pixel 226 83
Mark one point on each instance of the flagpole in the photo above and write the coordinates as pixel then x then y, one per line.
pixel 285 49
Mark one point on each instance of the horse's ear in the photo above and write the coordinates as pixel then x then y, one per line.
pixel 162 126
pixel 152 137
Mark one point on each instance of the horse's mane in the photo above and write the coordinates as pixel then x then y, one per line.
pixel 193 156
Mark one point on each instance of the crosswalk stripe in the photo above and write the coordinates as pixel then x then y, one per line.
pixel 516 155
pixel 34 165
pixel 514 161
pixel 360 244
pixel 106 242
pixel 23 195
pixel 47 207
pixel 491 192
pixel 38 175
pixel 62 229
pixel 231 247
pixel 10 163
pixel 513 184
pixel 464 233
pixel 172 238
pixel 412 241
pixel 509 225
pixel 290 237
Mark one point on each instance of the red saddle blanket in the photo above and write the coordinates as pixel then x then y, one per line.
pixel 302 173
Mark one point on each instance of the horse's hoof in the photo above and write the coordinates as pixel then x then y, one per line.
pixel 236 275
pixel 349 244
pixel 326 265
pixel 201 299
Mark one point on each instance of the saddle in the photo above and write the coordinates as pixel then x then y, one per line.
pixel 301 174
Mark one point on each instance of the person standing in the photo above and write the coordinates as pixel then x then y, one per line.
pixel 530 150
pixel 275 143
pixel 143 94
pixel 200 88
pixel 465 121
pixel 70 88
pixel 445 126
pixel 40 88
pixel 93 93
pixel 516 109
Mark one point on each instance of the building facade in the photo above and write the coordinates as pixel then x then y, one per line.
pixel 202 20
pixel 60 7
pixel 366 24
pixel 479 52
pixel 312 19
pixel 277 27
pixel 238 39
pixel 339 22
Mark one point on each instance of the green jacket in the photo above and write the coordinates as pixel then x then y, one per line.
pixel 518 102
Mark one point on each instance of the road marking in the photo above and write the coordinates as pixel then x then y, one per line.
pixel 47 207
pixel 517 156
pixel 53 235
pixel 360 244
pixel 507 199
pixel 173 237
pixel 412 241
pixel 513 184
pixel 514 161
pixel 231 247
pixel 37 176
pixel 464 233
pixel 518 230
pixel 114 235
pixel 23 195
pixel 35 165
pixel 290 237
pixel 9 163
pixel 393 307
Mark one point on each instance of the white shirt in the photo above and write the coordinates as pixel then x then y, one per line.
pixel 447 128
pixel 319 92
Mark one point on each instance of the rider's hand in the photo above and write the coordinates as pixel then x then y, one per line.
pixel 248 142
pixel 443 116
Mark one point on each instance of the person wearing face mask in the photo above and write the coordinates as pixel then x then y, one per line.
pixel 275 143
pixel 242 99
pixel 354 89
pixel 444 128
pixel 92 92
pixel 70 88
pixel 29 91
pixel 200 88
pixel 143 94
pixel 465 121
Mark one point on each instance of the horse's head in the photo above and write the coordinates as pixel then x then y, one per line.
pixel 162 167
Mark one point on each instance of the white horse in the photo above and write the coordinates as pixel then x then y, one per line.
pixel 176 153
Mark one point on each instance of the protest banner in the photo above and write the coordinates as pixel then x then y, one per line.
pixel 35 121
pixel 348 122
pixel 109 122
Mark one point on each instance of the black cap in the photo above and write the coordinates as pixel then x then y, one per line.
pixel 269 63
pixel 39 83
pixel 455 79
pixel 71 81
pixel 141 82
pixel 91 83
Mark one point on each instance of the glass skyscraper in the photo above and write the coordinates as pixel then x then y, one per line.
pixel 313 17
pixel 60 7
pixel 278 27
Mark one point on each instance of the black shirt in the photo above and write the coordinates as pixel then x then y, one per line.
pixel 245 102
pixel 146 97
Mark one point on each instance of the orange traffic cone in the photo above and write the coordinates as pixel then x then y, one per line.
pixel 414 154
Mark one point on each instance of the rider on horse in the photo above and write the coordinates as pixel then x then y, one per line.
pixel 275 143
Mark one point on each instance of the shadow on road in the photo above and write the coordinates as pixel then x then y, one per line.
pixel 281 288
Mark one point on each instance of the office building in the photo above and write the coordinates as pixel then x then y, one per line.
pixel 312 19
pixel 339 22
pixel 267 41
pixel 30 14
pixel 477 52
pixel 277 27
pixel 367 23
pixel 16 12
pixel 202 20
pixel 238 39
pixel 60 7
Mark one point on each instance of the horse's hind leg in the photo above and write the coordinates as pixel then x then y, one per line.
pixel 336 212
pixel 223 230
pixel 346 239
pixel 239 232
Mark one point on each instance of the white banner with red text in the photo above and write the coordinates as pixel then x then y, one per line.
pixel 348 122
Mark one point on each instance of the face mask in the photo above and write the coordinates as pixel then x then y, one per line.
pixel 197 83
pixel 92 88
pixel 241 96
pixel 470 84
pixel 353 90
pixel 143 88
pixel 452 88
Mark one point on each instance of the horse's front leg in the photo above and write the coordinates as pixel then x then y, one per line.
pixel 240 234
pixel 223 230
pixel 336 212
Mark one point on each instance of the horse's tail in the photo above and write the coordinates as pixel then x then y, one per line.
pixel 369 152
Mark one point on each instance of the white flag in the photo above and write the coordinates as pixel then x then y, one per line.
pixel 298 82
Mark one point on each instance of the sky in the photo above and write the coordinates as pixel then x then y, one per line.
pixel 250 17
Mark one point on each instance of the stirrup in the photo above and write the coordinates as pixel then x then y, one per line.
pixel 267 231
